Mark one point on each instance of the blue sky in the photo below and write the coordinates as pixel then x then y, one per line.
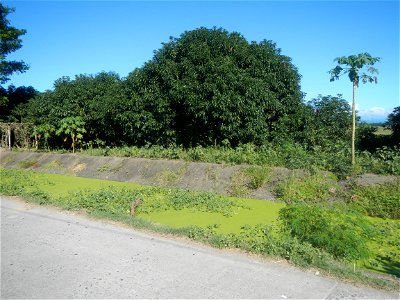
pixel 67 38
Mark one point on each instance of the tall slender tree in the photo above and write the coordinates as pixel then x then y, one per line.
pixel 359 68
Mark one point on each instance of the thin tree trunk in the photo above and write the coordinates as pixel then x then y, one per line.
pixel 353 129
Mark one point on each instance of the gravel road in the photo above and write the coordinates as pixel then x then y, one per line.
pixel 47 253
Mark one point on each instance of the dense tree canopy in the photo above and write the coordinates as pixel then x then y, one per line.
pixel 207 87
pixel 11 101
pixel 94 98
pixel 210 85
pixel 328 121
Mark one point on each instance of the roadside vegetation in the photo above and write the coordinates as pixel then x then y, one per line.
pixel 212 96
pixel 345 231
pixel 208 95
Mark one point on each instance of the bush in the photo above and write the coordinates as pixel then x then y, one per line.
pixel 343 236
pixel 380 200
pixel 308 188
pixel 385 160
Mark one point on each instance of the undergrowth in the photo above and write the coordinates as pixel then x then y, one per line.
pixel 380 200
pixel 335 158
pixel 331 237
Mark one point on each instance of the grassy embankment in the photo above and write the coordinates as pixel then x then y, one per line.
pixel 262 227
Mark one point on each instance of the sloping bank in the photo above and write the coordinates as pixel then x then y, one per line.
pixel 257 182
pixel 223 179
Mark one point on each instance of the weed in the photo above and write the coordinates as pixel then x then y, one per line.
pixel 167 177
pixel 257 175
pixel 201 201
pixel 77 168
pixel 104 168
pixel 309 188
pixel 379 200
pixel 53 165
pixel 239 185
pixel 27 163
pixel 307 235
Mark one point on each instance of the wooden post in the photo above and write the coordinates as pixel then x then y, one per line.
pixel 9 137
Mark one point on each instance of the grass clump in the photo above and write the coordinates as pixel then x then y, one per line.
pixel 247 179
pixel 309 187
pixel 206 202
pixel 257 176
pixel 27 163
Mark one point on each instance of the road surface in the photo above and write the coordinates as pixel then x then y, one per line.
pixel 47 253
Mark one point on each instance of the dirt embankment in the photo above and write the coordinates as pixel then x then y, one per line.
pixel 219 178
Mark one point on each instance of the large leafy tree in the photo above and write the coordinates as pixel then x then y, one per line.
pixel 11 109
pixel 328 120
pixel 210 86
pixel 9 42
pixel 94 98
pixel 359 69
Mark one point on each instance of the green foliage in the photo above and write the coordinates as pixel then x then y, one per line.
pixel 379 200
pixel 342 235
pixel 257 175
pixel 394 123
pixel 74 128
pixel 207 202
pixel 14 183
pixel 207 87
pixel 335 159
pixel 202 81
pixel 97 99
pixel 111 200
pixel 354 65
pixel 247 179
pixel 10 41
pixel 269 238
pixel 328 122
pixel 386 247
pixel 354 68
pixel 12 107
pixel 384 160
pixel 309 188
pixel 42 133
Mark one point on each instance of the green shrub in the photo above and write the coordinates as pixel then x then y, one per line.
pixel 309 188
pixel 379 200
pixel 343 236
pixel 201 201
pixel 110 200
pixel 383 161
pixel 257 176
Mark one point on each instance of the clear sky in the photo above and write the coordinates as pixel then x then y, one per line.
pixel 67 38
